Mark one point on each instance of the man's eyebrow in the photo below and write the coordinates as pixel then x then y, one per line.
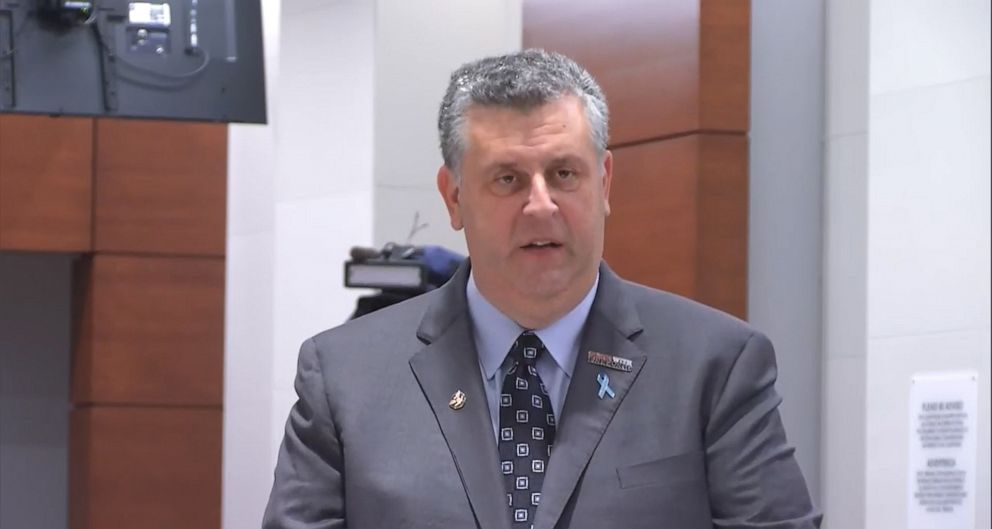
pixel 572 160
pixel 498 166
pixel 566 159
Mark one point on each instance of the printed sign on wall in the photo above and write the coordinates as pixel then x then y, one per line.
pixel 943 418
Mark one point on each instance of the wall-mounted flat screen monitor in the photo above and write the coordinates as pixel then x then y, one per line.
pixel 162 59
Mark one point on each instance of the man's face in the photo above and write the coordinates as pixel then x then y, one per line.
pixel 533 200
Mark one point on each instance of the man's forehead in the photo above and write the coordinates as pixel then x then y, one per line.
pixel 554 116
pixel 527 108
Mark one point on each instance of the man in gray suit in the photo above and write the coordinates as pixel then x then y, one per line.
pixel 536 388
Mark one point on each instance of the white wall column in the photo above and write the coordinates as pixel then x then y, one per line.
pixel 300 195
pixel 906 254
pixel 784 225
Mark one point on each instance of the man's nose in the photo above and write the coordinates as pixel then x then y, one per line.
pixel 540 201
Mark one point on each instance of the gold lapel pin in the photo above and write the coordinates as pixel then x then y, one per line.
pixel 457 401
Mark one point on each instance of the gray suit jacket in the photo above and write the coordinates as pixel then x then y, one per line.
pixel 692 439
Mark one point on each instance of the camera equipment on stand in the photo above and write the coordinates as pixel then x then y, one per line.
pixel 400 272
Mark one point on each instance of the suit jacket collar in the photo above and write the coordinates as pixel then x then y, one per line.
pixel 613 323
pixel 613 305
pixel 450 304
pixel 449 363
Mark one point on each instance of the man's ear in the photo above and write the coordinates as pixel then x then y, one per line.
pixel 607 179
pixel 448 186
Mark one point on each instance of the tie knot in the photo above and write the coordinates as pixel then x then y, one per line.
pixel 526 349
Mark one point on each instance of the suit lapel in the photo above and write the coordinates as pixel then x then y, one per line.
pixel 611 324
pixel 449 363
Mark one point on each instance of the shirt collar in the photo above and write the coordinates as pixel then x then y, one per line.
pixel 495 332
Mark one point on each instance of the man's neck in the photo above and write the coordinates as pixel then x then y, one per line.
pixel 536 312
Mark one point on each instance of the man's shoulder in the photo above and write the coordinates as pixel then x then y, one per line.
pixel 387 332
pixel 667 314
pixel 701 343
pixel 652 300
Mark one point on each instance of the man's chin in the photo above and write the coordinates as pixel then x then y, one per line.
pixel 542 286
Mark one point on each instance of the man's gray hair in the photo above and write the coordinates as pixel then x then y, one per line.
pixel 524 80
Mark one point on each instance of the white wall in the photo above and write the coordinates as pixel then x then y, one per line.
pixel 418 45
pixel 353 91
pixel 249 315
pixel 907 251
pixel 300 195
pixel 784 230
pixel 845 212
pixel 928 225
pixel 35 351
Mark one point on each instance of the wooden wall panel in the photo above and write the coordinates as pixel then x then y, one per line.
pixel 725 65
pixel 150 198
pixel 721 266
pixel 679 220
pixel 652 232
pixel 644 53
pixel 676 77
pixel 161 187
pixel 80 465
pixel 151 331
pixel 147 468
pixel 668 67
pixel 46 182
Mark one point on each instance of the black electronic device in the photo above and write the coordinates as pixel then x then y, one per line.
pixel 65 12
pixel 399 271
pixel 162 59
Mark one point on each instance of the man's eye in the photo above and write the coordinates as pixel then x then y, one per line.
pixel 507 179
pixel 566 174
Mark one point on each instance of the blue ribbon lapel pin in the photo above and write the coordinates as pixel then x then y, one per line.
pixel 604 386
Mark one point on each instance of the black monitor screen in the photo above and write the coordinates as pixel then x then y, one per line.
pixel 167 59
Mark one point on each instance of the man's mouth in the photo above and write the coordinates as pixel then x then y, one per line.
pixel 541 245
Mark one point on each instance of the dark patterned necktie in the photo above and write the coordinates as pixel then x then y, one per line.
pixel 526 430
